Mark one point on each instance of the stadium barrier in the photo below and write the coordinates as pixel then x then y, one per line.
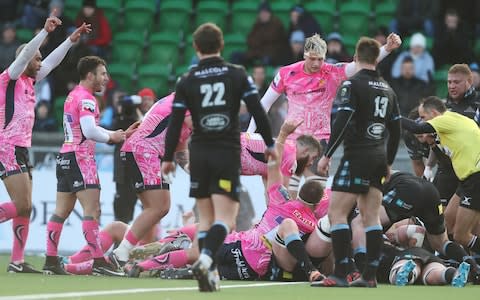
pixel 44 190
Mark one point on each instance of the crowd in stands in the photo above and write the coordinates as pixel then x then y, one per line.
pixel 262 35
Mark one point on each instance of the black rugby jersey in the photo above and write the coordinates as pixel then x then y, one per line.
pixel 212 92
pixel 367 109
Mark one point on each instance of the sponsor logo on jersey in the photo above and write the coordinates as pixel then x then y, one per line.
pixel 376 130
pixel 210 71
pixel 379 85
pixel 215 122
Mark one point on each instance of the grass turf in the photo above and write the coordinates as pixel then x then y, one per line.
pixel 36 284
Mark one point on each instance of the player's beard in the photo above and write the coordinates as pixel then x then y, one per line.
pixel 301 165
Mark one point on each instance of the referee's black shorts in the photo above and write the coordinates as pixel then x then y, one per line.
pixel 357 172
pixel 214 170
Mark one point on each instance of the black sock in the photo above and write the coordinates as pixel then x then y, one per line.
pixel 448 274
pixel 341 243
pixel 374 248
pixel 360 259
pixel 201 235
pixel 296 248
pixel 214 239
pixel 454 251
pixel 474 244
pixel 317 261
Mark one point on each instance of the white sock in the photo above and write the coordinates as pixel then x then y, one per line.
pixel 123 250
pixel 206 260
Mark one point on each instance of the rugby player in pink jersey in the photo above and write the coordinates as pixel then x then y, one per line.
pixel 77 176
pixel 297 155
pixel 142 154
pixel 247 255
pixel 17 104
pixel 310 87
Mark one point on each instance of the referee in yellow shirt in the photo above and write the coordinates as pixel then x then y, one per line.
pixel 459 137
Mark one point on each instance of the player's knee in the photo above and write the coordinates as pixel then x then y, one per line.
pixel 24 208
pixel 288 226
pixel 462 237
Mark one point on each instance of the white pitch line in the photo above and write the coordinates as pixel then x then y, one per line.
pixel 134 291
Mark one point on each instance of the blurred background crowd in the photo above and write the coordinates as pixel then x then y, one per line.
pixel 147 43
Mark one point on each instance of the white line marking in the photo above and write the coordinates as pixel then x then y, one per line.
pixel 134 291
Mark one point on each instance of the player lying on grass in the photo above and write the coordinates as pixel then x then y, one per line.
pixel 405 196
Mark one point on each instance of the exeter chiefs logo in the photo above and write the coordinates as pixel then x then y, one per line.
pixel 19 233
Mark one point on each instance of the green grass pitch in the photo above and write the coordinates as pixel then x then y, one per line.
pixel 33 286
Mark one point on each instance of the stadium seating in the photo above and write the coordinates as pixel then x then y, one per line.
pixel 355 17
pixel 324 13
pixel 440 80
pixel 139 15
pixel 212 11
pixel 156 77
pixel 350 41
pixel 244 15
pixel 189 52
pixel 111 9
pixel 122 73
pixel 174 15
pixel 281 9
pixel 127 47
pixel 163 48
pixel 233 42
pixel 24 34
pixel 58 110
pixel 384 12
pixel 71 9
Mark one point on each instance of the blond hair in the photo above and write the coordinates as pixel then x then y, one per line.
pixel 461 69
pixel 315 45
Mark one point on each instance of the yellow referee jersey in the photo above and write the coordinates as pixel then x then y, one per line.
pixel 460 138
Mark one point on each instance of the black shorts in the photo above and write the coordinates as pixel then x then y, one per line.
pixel 446 183
pixel 417 198
pixel 74 173
pixel 214 170
pixel 231 263
pixel 143 177
pixel 471 192
pixel 419 254
pixel 356 173
pixel 14 160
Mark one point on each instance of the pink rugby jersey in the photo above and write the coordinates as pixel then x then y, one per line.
pixel 150 135
pixel 17 110
pixel 255 241
pixel 80 102
pixel 253 158
pixel 310 96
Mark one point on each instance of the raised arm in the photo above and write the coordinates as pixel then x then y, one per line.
pixel 57 55
pixel 28 52
pixel 393 42
pixel 274 174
